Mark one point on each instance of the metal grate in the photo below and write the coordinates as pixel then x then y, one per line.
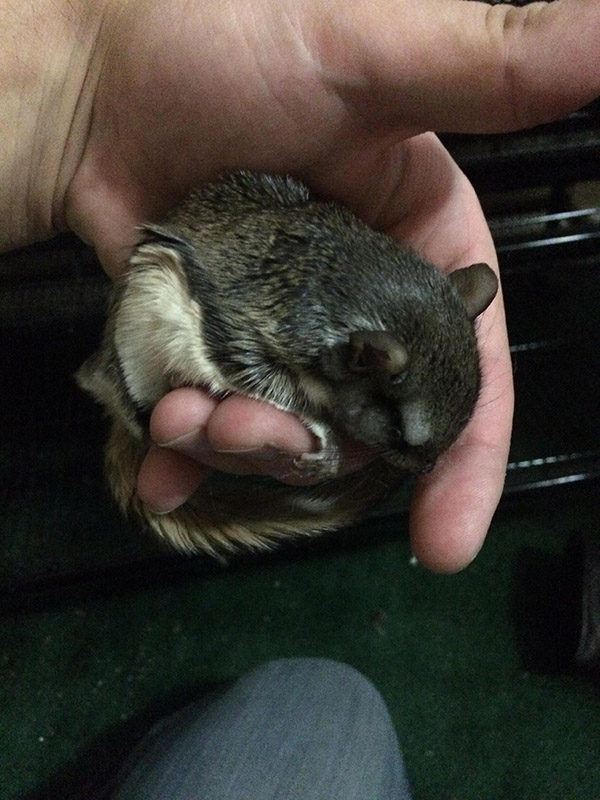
pixel 541 193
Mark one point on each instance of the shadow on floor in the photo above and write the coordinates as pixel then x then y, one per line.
pixel 91 776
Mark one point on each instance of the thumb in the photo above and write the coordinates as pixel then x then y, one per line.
pixel 461 66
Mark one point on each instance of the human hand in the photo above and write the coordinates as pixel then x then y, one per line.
pixel 340 95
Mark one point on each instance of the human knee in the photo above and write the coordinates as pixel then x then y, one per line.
pixel 333 681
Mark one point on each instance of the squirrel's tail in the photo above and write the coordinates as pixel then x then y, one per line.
pixel 221 519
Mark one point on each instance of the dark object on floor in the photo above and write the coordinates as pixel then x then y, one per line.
pixel 588 650
pixel 557 608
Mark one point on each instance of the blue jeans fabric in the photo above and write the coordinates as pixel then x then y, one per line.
pixel 294 729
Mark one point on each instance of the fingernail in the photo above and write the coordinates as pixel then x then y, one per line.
pixel 160 512
pixel 192 441
pixel 156 513
pixel 264 453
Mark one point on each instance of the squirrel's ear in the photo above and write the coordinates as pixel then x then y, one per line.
pixel 377 351
pixel 477 286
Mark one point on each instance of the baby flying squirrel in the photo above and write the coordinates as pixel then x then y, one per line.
pixel 253 286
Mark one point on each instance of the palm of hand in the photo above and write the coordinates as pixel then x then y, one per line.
pixel 258 88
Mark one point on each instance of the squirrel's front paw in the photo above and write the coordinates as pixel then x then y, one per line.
pixel 317 466
pixel 322 464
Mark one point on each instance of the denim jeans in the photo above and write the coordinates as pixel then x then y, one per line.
pixel 294 729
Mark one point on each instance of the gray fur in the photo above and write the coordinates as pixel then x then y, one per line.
pixel 255 287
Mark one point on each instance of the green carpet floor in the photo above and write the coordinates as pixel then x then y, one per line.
pixel 464 662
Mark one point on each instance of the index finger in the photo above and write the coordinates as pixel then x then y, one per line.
pixel 453 506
